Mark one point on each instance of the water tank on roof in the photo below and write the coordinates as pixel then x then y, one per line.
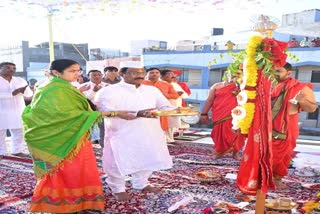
pixel 217 31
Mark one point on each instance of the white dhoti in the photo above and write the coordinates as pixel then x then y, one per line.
pixel 116 180
pixel 132 147
pixel 174 124
pixel 17 144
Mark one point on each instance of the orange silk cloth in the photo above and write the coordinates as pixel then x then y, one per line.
pixel 287 124
pixel 255 171
pixel 74 187
pixel 168 91
pixel 225 140
pixel 186 89
pixel 165 87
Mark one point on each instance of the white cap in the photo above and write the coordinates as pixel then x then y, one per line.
pixel 131 64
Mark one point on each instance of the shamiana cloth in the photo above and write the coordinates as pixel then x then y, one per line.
pixel 225 140
pixel 57 130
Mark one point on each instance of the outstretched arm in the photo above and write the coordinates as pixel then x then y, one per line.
pixel 307 100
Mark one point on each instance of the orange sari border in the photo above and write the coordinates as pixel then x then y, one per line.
pixel 70 208
pixel 67 192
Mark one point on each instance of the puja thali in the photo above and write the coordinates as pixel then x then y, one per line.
pixel 208 176
pixel 176 112
pixel 276 205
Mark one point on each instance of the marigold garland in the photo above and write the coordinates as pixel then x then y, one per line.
pixel 251 73
pixel 313 205
pixel 260 55
pixel 251 94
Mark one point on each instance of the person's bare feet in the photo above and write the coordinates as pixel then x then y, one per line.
pixel 152 189
pixel 216 155
pixel 122 196
pixel 279 184
pixel 236 156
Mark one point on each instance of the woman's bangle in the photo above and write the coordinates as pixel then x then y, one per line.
pixel 113 114
pixel 204 114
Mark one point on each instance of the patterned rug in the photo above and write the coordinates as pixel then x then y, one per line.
pixel 17 182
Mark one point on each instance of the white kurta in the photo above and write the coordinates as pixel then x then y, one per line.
pixel 138 144
pixel 178 102
pixel 11 107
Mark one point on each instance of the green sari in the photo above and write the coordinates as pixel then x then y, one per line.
pixel 56 129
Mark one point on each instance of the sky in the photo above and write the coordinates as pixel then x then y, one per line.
pixel 160 21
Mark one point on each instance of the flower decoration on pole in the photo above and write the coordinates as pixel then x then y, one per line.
pixel 261 54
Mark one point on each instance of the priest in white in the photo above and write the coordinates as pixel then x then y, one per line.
pixel 133 147
pixel 12 92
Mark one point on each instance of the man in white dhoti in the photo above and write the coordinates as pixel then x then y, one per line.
pixel 12 92
pixel 137 147
pixel 89 89
pixel 174 123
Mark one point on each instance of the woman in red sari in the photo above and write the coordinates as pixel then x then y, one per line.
pixel 56 129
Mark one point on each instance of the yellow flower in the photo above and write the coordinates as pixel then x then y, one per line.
pixel 251 94
pixel 251 76
pixel 246 122
pixel 309 206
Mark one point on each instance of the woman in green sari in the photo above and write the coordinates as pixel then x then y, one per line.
pixel 57 131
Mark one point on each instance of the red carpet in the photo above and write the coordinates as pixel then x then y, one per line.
pixel 17 182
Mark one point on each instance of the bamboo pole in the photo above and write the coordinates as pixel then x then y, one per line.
pixel 51 45
pixel 260 202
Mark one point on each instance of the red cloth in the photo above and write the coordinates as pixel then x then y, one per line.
pixel 74 187
pixel 277 49
pixel 225 140
pixel 255 171
pixel 283 149
pixel 186 89
pixel 293 44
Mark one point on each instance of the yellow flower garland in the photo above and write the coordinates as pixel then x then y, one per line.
pixel 309 206
pixel 251 72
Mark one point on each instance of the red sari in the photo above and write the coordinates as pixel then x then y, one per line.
pixel 225 140
pixel 284 135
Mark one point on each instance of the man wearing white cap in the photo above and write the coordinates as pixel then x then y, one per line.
pixel 137 147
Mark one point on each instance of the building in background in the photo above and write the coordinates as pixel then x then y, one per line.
pixel 96 54
pixel 137 47
pixel 200 76
pixel 32 61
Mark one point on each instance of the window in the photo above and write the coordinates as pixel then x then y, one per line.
pixel 184 77
pixel 313 115
pixel 315 76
